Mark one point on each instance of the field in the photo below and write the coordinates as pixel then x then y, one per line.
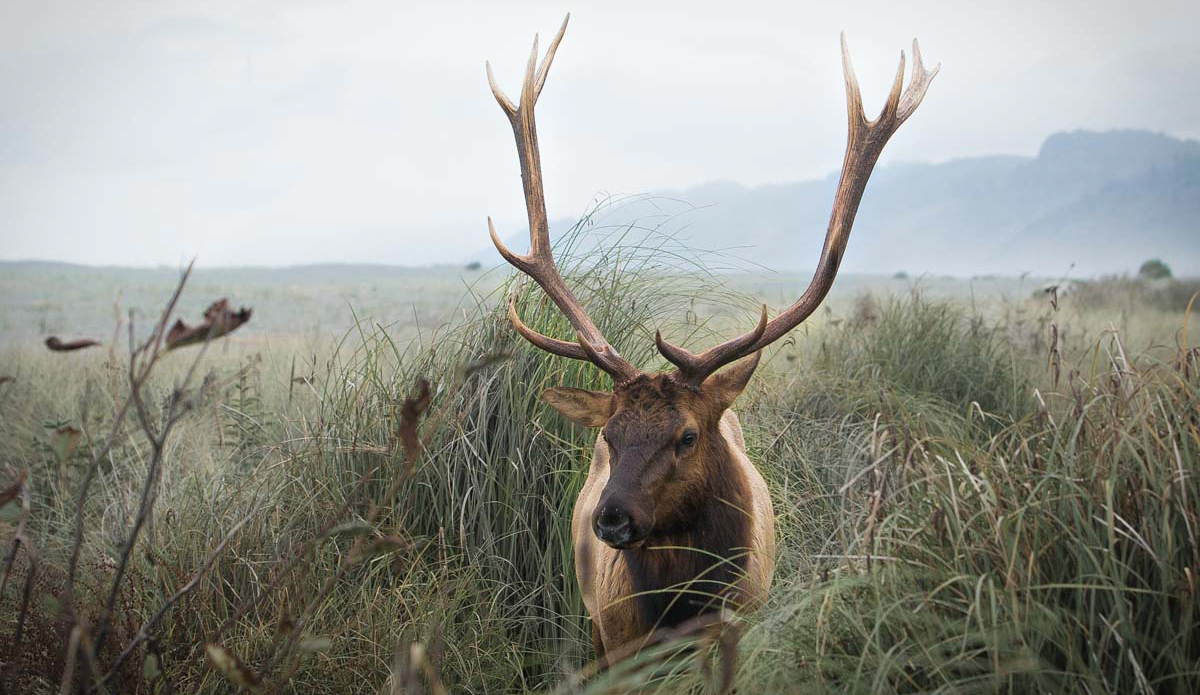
pixel 981 487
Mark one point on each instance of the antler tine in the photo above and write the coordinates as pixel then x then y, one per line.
pixel 539 262
pixel 501 98
pixel 544 69
pixel 527 95
pixel 893 100
pixel 865 142
pixel 854 107
pixel 693 368
pixel 551 345
pixel 917 86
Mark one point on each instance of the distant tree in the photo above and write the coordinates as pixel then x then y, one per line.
pixel 1154 269
pixel 474 265
pixel 900 275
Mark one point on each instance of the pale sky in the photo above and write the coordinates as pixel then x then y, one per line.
pixel 257 132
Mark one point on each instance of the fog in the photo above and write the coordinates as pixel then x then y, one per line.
pixel 141 133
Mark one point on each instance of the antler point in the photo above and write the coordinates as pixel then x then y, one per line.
pixel 508 255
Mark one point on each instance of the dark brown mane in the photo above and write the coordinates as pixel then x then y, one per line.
pixel 685 569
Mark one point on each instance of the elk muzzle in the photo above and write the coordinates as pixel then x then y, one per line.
pixel 620 521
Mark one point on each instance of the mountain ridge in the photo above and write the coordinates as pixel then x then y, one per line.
pixel 1089 202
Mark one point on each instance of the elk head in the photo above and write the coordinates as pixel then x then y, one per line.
pixel 661 430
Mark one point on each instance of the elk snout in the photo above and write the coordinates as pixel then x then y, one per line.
pixel 615 526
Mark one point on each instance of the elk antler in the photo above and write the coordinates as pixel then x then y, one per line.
pixel 539 262
pixel 865 143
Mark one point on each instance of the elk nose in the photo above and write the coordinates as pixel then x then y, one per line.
pixel 614 526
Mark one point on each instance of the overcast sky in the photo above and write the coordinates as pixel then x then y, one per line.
pixel 255 132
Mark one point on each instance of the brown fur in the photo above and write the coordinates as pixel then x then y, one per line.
pixel 710 540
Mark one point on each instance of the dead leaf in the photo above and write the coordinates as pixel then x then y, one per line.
pixel 4 379
pixel 231 667
pixel 57 345
pixel 219 320
pixel 410 416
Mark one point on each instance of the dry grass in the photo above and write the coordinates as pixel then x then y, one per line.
pixel 950 519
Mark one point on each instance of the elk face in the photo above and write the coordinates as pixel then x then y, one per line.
pixel 662 436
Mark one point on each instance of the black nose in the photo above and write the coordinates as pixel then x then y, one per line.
pixel 614 526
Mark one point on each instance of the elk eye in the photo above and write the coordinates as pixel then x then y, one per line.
pixel 688 438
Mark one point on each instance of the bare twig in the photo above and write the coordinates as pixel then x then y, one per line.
pixel 114 434
pixel 144 633
pixel 143 358
pixel 68 675
pixel 19 539
pixel 177 407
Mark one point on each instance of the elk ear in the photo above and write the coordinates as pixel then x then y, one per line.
pixel 726 385
pixel 586 408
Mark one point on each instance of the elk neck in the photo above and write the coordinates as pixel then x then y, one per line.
pixel 698 550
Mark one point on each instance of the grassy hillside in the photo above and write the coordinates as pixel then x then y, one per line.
pixel 989 496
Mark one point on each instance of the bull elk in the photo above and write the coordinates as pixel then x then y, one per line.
pixel 674 521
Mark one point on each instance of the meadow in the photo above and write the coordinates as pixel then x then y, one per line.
pixel 980 486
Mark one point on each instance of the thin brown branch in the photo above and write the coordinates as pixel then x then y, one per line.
pixel 144 632
pixel 114 434
pixel 19 539
pixel 153 474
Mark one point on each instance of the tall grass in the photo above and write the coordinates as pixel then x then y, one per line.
pixel 1057 556
pixel 485 577
pixel 928 545
pixel 941 528
pixel 933 350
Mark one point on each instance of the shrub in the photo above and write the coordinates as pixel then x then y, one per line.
pixel 1154 269
pixel 1132 294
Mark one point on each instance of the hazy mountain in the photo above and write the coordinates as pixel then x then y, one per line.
pixel 1102 201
